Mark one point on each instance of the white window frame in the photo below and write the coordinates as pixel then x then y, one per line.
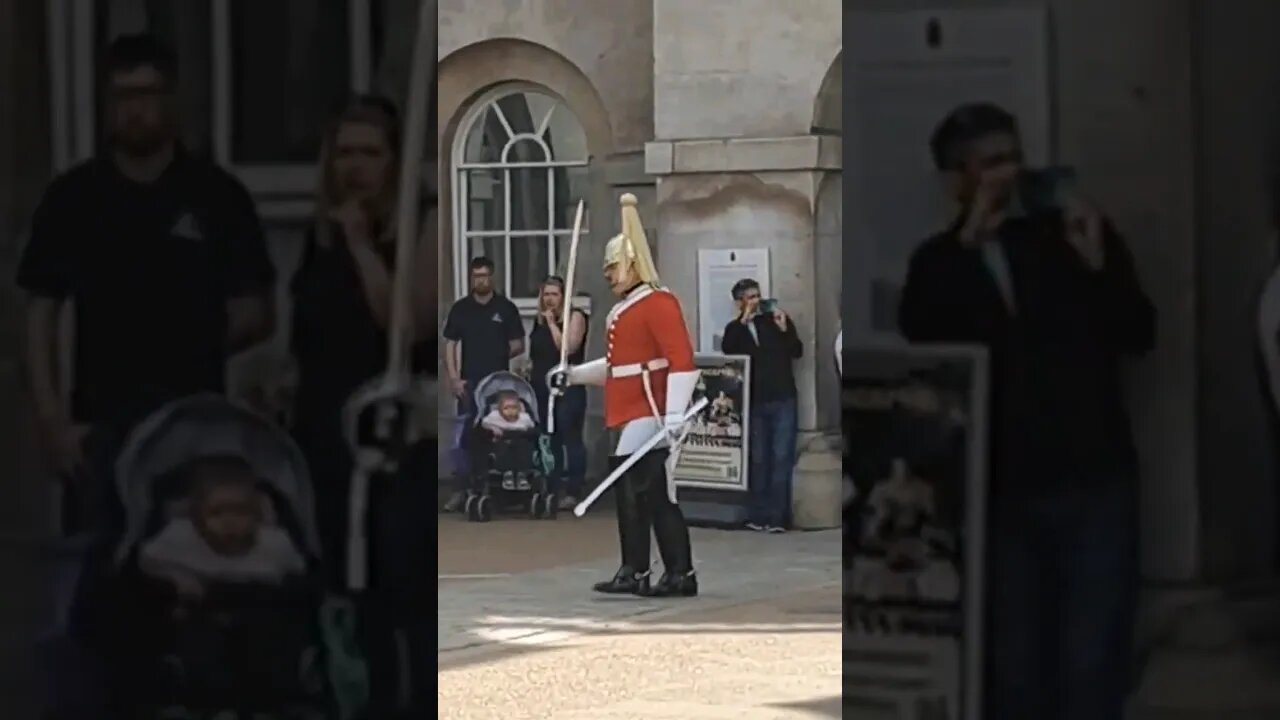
pixel 460 206
pixel 73 101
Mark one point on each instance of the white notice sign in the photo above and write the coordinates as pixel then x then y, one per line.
pixel 718 271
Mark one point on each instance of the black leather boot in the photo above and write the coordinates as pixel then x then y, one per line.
pixel 676 584
pixel 626 582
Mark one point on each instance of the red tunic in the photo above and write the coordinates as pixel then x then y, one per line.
pixel 645 329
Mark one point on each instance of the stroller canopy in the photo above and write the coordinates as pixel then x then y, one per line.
pixel 503 381
pixel 203 426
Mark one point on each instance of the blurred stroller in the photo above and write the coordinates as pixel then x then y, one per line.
pixel 511 455
pixel 245 645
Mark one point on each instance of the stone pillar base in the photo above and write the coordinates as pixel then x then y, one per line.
pixel 815 488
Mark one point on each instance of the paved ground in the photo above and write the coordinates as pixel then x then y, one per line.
pixel 762 642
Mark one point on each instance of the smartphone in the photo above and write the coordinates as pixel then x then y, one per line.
pixel 769 306
pixel 1046 189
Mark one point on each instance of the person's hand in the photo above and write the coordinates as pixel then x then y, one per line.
pixel 549 317
pixel 458 387
pixel 558 380
pixel 354 219
pixel 1083 229
pixel 983 214
pixel 746 311
pixel 780 319
pixel 497 432
pixel 63 444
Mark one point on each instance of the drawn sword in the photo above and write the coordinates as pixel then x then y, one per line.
pixel 566 311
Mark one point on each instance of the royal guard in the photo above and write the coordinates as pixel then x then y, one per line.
pixel 649 377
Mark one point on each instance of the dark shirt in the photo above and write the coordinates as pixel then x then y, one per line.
pixel 772 356
pixel 1058 413
pixel 485 331
pixel 148 269
pixel 544 355
pixel 336 341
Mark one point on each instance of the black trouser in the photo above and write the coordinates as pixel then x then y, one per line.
pixel 642 503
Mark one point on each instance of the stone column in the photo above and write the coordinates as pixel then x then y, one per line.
pixel 758 193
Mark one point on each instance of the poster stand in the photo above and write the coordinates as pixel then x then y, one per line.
pixel 915 462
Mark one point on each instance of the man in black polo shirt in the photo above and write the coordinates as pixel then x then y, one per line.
pixel 163 261
pixel 487 327
pixel 161 256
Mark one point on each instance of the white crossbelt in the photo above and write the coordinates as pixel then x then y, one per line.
pixel 634 369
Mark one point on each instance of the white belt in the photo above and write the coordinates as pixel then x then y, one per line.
pixel 634 369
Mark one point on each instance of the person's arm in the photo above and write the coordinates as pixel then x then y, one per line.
pixel 736 339
pixel 250 290
pixel 1126 314
pixel 666 322
pixel 375 280
pixel 42 352
pixel 791 340
pixel 515 329
pixel 939 302
pixel 577 331
pixel 452 350
pixel 46 273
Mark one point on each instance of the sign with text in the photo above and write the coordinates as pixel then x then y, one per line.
pixel 718 272
pixel 915 429
pixel 716 451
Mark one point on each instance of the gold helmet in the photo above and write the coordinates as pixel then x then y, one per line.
pixel 630 249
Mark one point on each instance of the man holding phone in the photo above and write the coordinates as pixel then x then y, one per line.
pixel 763 332
pixel 1037 275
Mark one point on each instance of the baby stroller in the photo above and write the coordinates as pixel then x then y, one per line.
pixel 258 626
pixel 514 470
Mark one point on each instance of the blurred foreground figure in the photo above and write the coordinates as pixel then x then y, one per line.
pixel 1050 289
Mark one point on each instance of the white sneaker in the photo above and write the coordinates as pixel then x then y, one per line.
pixel 568 502
pixel 775 530
pixel 757 527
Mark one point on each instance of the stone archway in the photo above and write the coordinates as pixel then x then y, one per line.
pixel 828 247
pixel 828 106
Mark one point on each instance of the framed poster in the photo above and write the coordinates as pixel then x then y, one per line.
pixel 718 271
pixel 915 464
pixel 716 452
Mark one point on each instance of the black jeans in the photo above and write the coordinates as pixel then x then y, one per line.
pixel 568 445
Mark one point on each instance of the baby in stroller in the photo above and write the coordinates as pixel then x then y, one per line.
pixel 216 572
pixel 511 439
pixel 223 538
pixel 510 458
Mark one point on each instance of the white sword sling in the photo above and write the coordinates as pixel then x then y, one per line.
pixel 634 457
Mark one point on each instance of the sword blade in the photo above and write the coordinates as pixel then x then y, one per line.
pixel 632 459
pixel 567 308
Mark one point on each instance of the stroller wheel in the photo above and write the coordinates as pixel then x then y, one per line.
pixel 484 508
pixel 535 505
pixel 550 506
pixel 469 507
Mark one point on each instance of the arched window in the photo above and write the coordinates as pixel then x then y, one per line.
pixel 520 168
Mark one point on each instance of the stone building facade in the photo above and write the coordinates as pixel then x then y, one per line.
pixel 723 118
pixel 1168 108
